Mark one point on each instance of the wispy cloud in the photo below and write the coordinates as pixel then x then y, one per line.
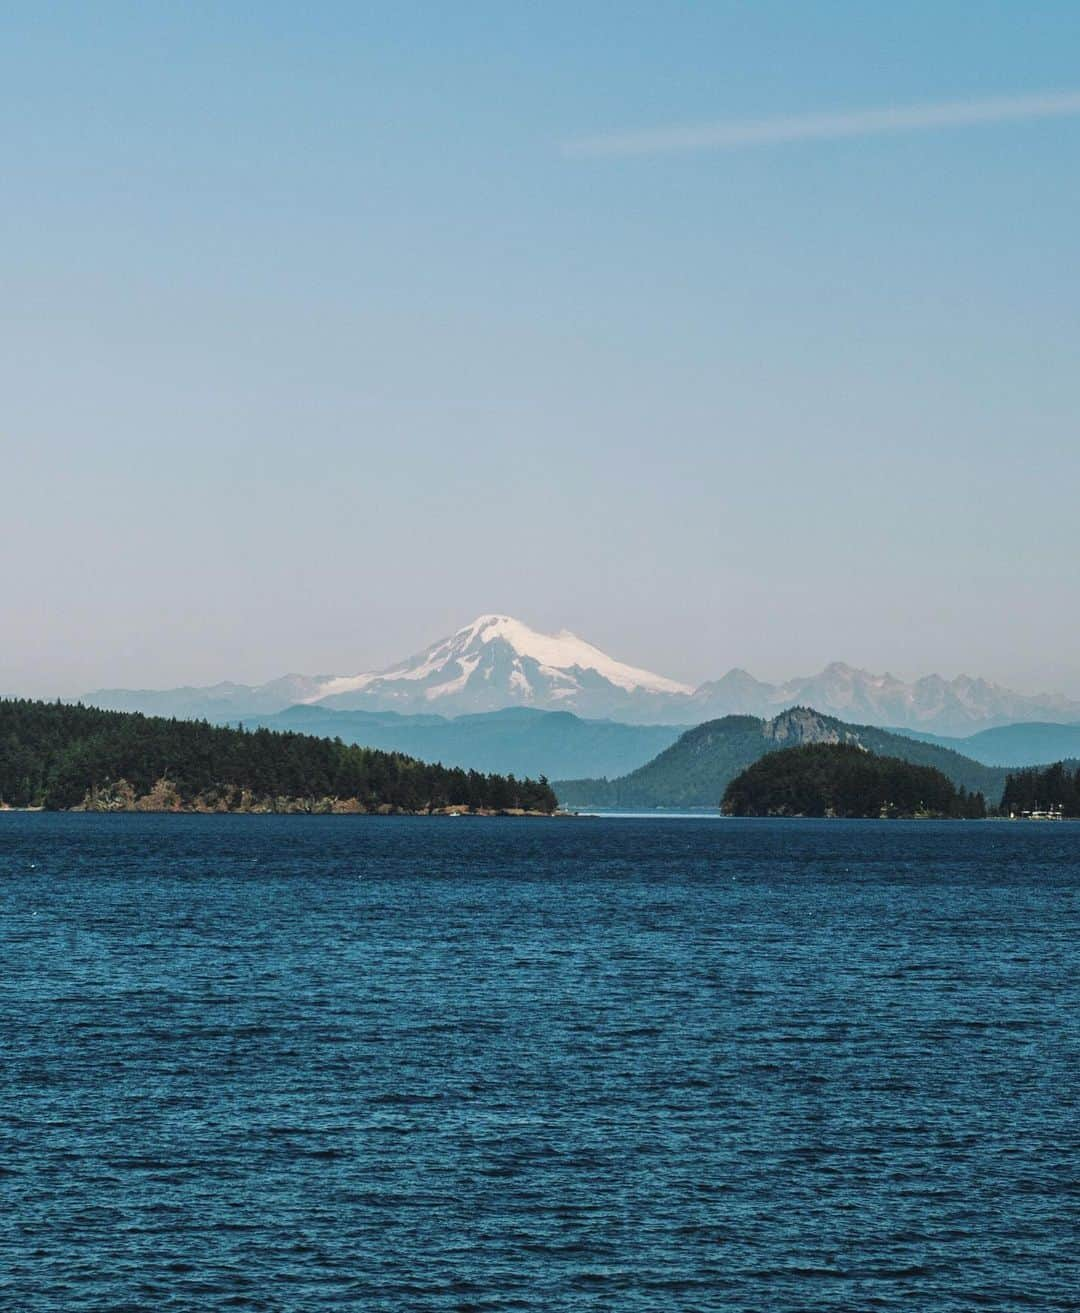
pixel 739 134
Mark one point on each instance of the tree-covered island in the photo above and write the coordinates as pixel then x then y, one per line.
pixel 843 780
pixel 62 757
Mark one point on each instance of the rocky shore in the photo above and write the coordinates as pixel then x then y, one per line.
pixel 120 796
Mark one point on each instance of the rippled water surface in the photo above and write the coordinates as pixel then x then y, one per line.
pixel 409 1064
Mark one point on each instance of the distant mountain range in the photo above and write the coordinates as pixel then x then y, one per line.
pixel 516 741
pixel 1032 744
pixel 931 703
pixel 499 662
pixel 697 768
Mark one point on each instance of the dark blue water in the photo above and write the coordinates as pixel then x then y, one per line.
pixel 406 1064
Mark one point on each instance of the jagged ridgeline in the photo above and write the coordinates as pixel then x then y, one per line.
pixel 842 779
pixel 61 757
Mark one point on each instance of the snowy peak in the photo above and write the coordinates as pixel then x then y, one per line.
pixel 498 661
pixel 564 651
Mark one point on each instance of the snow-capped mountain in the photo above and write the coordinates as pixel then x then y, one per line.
pixel 499 662
pixel 931 703
pixel 493 663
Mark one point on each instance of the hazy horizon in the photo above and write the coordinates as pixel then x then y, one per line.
pixel 723 337
pixel 780 676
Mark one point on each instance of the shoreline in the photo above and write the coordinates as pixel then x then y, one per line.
pixel 438 813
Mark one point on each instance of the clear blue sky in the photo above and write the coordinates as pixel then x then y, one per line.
pixel 315 342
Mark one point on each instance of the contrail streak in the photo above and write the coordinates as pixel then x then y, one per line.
pixel 739 134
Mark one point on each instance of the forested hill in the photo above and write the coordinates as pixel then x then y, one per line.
pixel 61 757
pixel 1056 787
pixel 841 779
pixel 697 768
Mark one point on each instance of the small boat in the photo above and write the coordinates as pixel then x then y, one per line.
pixel 1054 812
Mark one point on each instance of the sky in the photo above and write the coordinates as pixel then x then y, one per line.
pixel 728 334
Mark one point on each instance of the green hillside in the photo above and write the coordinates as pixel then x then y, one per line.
pixel 696 769
pixel 60 757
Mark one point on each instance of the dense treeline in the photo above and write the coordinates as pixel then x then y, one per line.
pixel 829 779
pixel 1043 787
pixel 59 756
